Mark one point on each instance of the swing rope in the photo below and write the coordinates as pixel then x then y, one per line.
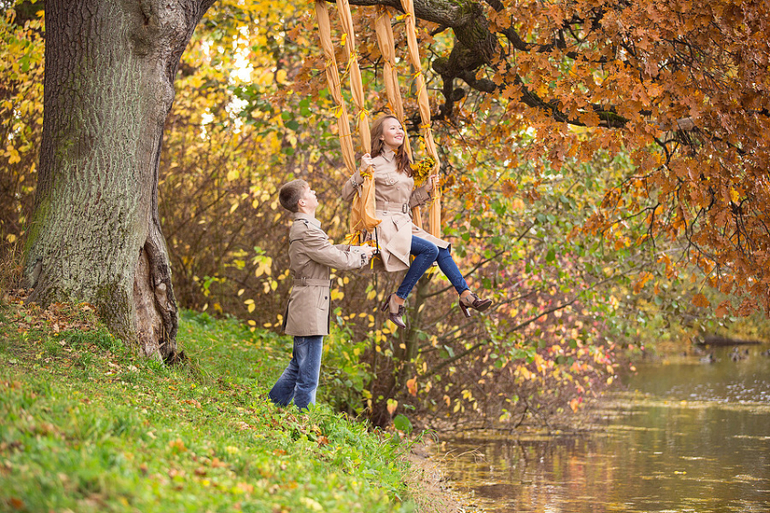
pixel 386 44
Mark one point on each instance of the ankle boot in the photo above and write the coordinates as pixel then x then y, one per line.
pixel 395 311
pixel 473 301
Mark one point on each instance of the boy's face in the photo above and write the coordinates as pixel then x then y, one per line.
pixel 308 201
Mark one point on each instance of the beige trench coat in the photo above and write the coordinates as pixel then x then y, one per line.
pixel 395 196
pixel 312 256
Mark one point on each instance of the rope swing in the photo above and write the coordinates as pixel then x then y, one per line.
pixel 363 210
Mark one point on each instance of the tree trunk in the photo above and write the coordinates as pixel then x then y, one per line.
pixel 95 234
pixel 392 373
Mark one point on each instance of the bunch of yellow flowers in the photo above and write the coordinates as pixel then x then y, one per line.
pixel 422 170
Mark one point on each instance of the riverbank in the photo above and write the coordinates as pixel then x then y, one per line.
pixel 89 426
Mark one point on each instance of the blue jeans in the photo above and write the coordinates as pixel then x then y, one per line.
pixel 425 253
pixel 300 379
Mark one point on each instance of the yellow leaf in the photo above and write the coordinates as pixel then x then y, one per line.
pixel 14 156
pixel 311 504
pixel 392 405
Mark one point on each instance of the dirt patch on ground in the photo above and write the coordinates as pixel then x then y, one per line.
pixel 431 489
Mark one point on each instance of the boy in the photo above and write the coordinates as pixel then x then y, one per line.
pixel 307 314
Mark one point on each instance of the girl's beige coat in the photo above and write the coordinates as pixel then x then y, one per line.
pixel 395 196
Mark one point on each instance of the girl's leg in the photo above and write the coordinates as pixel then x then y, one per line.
pixel 468 299
pixel 425 253
pixel 448 266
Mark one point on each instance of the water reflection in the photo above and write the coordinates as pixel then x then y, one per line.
pixel 685 437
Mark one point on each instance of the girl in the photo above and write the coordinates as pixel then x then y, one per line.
pixel 396 235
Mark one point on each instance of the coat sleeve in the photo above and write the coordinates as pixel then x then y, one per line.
pixel 318 248
pixel 420 195
pixel 352 185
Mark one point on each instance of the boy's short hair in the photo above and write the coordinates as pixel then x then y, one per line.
pixel 291 193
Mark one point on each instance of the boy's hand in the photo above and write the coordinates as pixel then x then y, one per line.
pixel 366 252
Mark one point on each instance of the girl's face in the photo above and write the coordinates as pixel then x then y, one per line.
pixel 392 133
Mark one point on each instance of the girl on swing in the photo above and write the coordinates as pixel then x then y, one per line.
pixel 396 235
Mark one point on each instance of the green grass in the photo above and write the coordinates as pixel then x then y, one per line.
pixel 88 426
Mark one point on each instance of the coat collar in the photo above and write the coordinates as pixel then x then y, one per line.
pixel 387 154
pixel 307 217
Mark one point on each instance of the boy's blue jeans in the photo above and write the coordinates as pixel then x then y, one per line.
pixel 425 253
pixel 300 379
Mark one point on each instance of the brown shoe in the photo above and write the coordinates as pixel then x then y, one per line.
pixel 395 311
pixel 473 301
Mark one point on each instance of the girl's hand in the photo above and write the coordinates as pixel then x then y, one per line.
pixel 433 181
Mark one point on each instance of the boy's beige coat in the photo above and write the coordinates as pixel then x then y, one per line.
pixel 312 256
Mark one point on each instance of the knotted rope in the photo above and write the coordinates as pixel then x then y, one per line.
pixel 386 44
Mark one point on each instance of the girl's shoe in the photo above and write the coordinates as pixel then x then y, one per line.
pixel 395 311
pixel 473 301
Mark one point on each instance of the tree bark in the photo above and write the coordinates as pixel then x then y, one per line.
pixel 95 234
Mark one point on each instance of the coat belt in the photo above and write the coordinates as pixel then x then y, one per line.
pixel 394 209
pixel 311 282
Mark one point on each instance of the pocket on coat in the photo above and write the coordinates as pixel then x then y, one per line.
pixel 323 311
pixel 323 297
pixel 399 221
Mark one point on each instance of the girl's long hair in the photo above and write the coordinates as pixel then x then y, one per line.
pixel 403 164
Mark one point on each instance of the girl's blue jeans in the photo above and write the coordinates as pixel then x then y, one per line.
pixel 300 379
pixel 425 253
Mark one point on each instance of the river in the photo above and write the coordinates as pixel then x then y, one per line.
pixel 681 436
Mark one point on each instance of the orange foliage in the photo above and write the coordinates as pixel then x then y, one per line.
pixel 680 85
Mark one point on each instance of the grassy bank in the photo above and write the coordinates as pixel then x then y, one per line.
pixel 88 426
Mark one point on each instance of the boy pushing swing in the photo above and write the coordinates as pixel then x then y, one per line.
pixel 308 311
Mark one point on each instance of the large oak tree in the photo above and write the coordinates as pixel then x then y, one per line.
pixel 95 235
